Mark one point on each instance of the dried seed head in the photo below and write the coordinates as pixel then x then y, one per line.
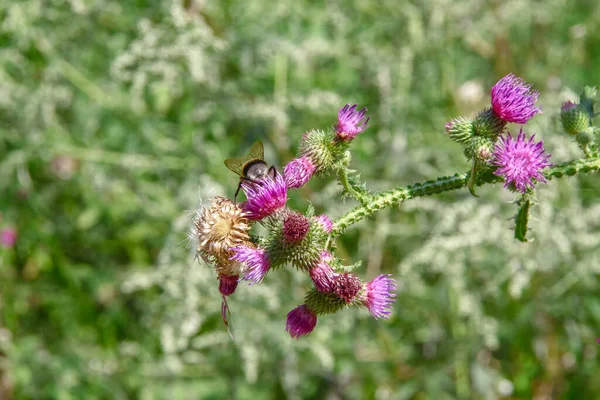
pixel 219 227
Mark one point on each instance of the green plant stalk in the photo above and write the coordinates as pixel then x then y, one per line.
pixel 457 181
pixel 350 189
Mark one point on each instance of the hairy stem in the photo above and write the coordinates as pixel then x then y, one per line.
pixel 457 181
pixel 350 189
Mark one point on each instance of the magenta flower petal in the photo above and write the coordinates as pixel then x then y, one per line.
pixel 351 122
pixel 255 260
pixel 264 197
pixel 298 172
pixel 325 223
pixel 322 275
pixel 228 284
pixel 520 161
pixel 300 321
pixel 513 100
pixel 379 297
pixel 8 237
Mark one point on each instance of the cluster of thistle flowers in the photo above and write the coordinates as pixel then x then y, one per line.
pixel 519 160
pixel 222 232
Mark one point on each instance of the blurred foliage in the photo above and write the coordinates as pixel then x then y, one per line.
pixel 115 119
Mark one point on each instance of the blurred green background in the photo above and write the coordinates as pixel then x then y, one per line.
pixel 116 117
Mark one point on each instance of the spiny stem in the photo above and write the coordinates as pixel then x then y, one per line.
pixel 392 197
pixel 350 189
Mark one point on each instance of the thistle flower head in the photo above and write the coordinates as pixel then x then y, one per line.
pixel 295 227
pixel 460 130
pixel 573 118
pixel 325 223
pixel 219 227
pixel 255 260
pixel 322 275
pixel 378 296
pixel 228 284
pixel 300 321
pixel 513 100
pixel 264 197
pixel 8 237
pixel 351 122
pixel 347 286
pixel 520 161
pixel 298 171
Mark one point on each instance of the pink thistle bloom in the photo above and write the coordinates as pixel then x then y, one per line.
pixel 228 284
pixel 295 227
pixel 513 100
pixel 255 260
pixel 520 161
pixel 325 223
pixel 347 286
pixel 8 237
pixel 379 297
pixel 351 122
pixel 322 275
pixel 298 172
pixel 300 321
pixel 264 197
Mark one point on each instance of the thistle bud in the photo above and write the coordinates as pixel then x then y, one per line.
pixel 298 172
pixel 460 130
pixel 573 118
pixel 488 124
pixel 297 240
pixel 300 321
pixel 325 223
pixel 322 275
pixel 320 148
pixel 228 284
pixel 481 149
pixel 378 296
pixel 585 137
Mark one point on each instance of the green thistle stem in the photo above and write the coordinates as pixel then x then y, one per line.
pixel 445 184
pixel 350 189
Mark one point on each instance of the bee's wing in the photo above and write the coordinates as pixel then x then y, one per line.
pixel 235 164
pixel 256 151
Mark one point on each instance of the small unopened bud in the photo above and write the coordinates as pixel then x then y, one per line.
pixel 325 223
pixel 295 227
pixel 228 284
pixel 300 321
pixel 298 172
pixel 322 275
pixel 573 118
pixel 482 149
pixel 488 124
pixel 585 137
pixel 460 130
pixel 320 148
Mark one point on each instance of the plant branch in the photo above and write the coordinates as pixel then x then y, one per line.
pixel 457 181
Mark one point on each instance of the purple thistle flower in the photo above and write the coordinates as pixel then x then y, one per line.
pixel 228 284
pixel 351 122
pixel 8 237
pixel 256 261
pixel 295 227
pixel 298 172
pixel 378 297
pixel 513 100
pixel 322 275
pixel 520 161
pixel 325 223
pixel 264 197
pixel 300 321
